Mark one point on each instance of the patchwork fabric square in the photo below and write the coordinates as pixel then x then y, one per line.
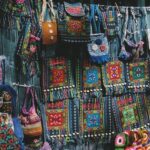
pixel 56 119
pixel 138 72
pixel 58 68
pixel 113 72
pixel 91 77
pixel 114 78
pixel 58 77
pixel 92 120
pixel 129 115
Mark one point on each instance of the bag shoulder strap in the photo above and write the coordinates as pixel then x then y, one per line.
pixel 50 6
pixel 29 91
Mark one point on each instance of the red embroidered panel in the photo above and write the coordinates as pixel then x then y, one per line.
pixel 114 71
pixel 58 72
pixel 56 119
pixel 58 76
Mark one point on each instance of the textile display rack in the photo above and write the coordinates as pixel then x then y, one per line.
pixel 74 75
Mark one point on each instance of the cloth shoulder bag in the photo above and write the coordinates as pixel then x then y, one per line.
pixel 98 46
pixel 73 22
pixel 31 122
pixel 48 23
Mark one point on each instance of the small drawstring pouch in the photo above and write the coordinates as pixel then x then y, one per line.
pixel 98 47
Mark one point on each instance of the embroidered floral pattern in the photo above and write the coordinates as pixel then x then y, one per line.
pixel 92 77
pixel 58 76
pixel 56 119
pixel 138 72
pixel 8 139
pixel 75 26
pixel 129 115
pixel 114 71
pixel 93 120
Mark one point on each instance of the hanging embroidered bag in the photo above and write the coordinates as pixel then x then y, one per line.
pixel 49 24
pixel 138 76
pixel 98 48
pixel 73 22
pixel 114 77
pixel 88 79
pixel 57 116
pixel 31 122
pixel 59 79
pixel 130 111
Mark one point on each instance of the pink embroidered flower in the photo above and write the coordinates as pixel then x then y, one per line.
pixel 102 47
pixel 4 146
pixel 19 1
pixel 10 131
pixel 33 48
pixel 74 10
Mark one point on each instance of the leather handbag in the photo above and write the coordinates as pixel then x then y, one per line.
pixel 31 122
pixel 48 23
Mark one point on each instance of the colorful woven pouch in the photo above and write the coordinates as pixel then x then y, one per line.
pixel 59 79
pixel 129 112
pixel 88 79
pixel 99 49
pixel 73 23
pixel 92 117
pixel 138 76
pixel 57 118
pixel 113 74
